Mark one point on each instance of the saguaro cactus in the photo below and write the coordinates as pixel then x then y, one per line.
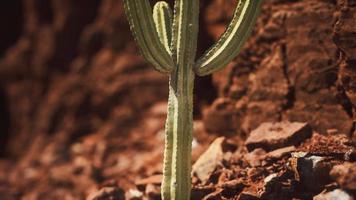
pixel 169 41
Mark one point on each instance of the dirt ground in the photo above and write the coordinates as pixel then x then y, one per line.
pixel 82 114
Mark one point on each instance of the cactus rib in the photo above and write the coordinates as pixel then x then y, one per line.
pixel 231 42
pixel 185 31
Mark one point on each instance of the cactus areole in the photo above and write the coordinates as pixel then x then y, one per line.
pixel 168 40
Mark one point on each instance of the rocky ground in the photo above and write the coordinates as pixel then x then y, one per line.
pixel 82 114
pixel 278 161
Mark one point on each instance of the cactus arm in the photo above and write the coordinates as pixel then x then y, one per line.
pixel 184 41
pixel 163 18
pixel 231 42
pixel 139 14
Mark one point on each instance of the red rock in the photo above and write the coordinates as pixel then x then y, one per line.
pixel 233 184
pixel 199 192
pixel 153 192
pixel 155 179
pixel 311 171
pixel 134 195
pixel 278 153
pixel 337 146
pixel 345 175
pixel 255 157
pixel 214 195
pixel 270 136
pixel 220 117
pixel 211 159
pixel 112 193
pixel 332 195
pixel 248 196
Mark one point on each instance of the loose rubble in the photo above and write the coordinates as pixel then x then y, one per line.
pixel 297 166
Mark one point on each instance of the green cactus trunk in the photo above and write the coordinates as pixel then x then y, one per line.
pixel 170 46
pixel 177 156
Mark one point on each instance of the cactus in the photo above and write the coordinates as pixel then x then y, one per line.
pixel 168 40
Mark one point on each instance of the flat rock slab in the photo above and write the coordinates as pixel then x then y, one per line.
pixel 270 136
pixel 204 167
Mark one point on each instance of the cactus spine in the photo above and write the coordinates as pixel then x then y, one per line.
pixel 168 41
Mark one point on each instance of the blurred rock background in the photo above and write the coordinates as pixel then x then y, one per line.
pixel 72 83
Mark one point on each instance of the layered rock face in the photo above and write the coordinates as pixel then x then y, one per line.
pixel 299 65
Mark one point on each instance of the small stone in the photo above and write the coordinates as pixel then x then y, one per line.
pixel 214 195
pixel 270 136
pixel 336 194
pixel 332 131
pixel 275 186
pixel 270 178
pixel 224 176
pixel 248 196
pixel 345 175
pixel 142 183
pixel 211 159
pixel 279 153
pixel 233 185
pixel 199 192
pixel 255 157
pixel 134 194
pixel 232 188
pixel 108 193
pixel 272 184
pixel 311 171
pixel 153 192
